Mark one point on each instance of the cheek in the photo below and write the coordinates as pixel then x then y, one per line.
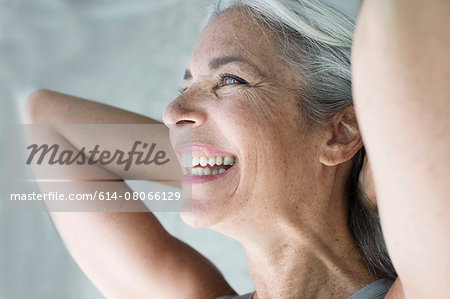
pixel 266 122
pixel 275 114
pixel 259 106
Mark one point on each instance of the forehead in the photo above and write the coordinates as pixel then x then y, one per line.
pixel 237 33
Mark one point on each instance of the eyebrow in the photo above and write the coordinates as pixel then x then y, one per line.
pixel 217 62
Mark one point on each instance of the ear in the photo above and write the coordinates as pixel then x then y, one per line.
pixel 342 138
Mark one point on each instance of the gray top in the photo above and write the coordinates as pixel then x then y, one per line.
pixel 376 290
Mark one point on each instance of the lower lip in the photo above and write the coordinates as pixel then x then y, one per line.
pixel 198 179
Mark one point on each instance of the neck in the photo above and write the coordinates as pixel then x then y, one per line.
pixel 303 250
pixel 291 267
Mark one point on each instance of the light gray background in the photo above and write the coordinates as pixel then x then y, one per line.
pixel 127 53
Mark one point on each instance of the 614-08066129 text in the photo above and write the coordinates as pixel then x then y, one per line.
pixel 58 196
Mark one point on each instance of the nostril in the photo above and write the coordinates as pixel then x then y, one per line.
pixel 186 118
pixel 185 122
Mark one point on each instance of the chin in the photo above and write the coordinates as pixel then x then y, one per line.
pixel 207 204
pixel 200 214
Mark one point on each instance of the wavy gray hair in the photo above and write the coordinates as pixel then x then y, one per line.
pixel 315 39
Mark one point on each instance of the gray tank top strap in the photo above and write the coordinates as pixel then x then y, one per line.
pixel 376 290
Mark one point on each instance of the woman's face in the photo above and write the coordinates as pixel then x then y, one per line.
pixel 241 101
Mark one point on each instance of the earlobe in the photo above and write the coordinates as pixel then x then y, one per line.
pixel 343 139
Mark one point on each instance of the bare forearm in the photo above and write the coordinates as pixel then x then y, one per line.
pixel 49 107
pixel 110 128
pixel 99 236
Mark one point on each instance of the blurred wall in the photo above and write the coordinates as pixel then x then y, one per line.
pixel 127 53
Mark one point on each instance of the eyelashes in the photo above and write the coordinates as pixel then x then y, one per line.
pixel 229 79
pixel 225 79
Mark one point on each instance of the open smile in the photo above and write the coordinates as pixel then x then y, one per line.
pixel 203 163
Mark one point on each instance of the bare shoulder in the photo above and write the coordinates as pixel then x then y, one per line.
pixel 193 275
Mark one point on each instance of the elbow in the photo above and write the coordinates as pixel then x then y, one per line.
pixel 33 112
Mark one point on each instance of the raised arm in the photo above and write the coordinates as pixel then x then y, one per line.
pixel 401 81
pixel 49 107
pixel 126 255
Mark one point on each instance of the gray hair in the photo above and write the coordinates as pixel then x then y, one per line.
pixel 315 40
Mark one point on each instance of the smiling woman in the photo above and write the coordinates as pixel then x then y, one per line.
pixel 276 162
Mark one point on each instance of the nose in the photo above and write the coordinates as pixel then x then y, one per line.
pixel 180 113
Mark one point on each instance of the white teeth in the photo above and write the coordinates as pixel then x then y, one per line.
pixel 228 160
pixel 212 160
pixel 207 160
pixel 203 161
pixel 206 171
pixel 195 160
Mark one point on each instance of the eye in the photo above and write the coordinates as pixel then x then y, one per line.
pixel 181 90
pixel 229 79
